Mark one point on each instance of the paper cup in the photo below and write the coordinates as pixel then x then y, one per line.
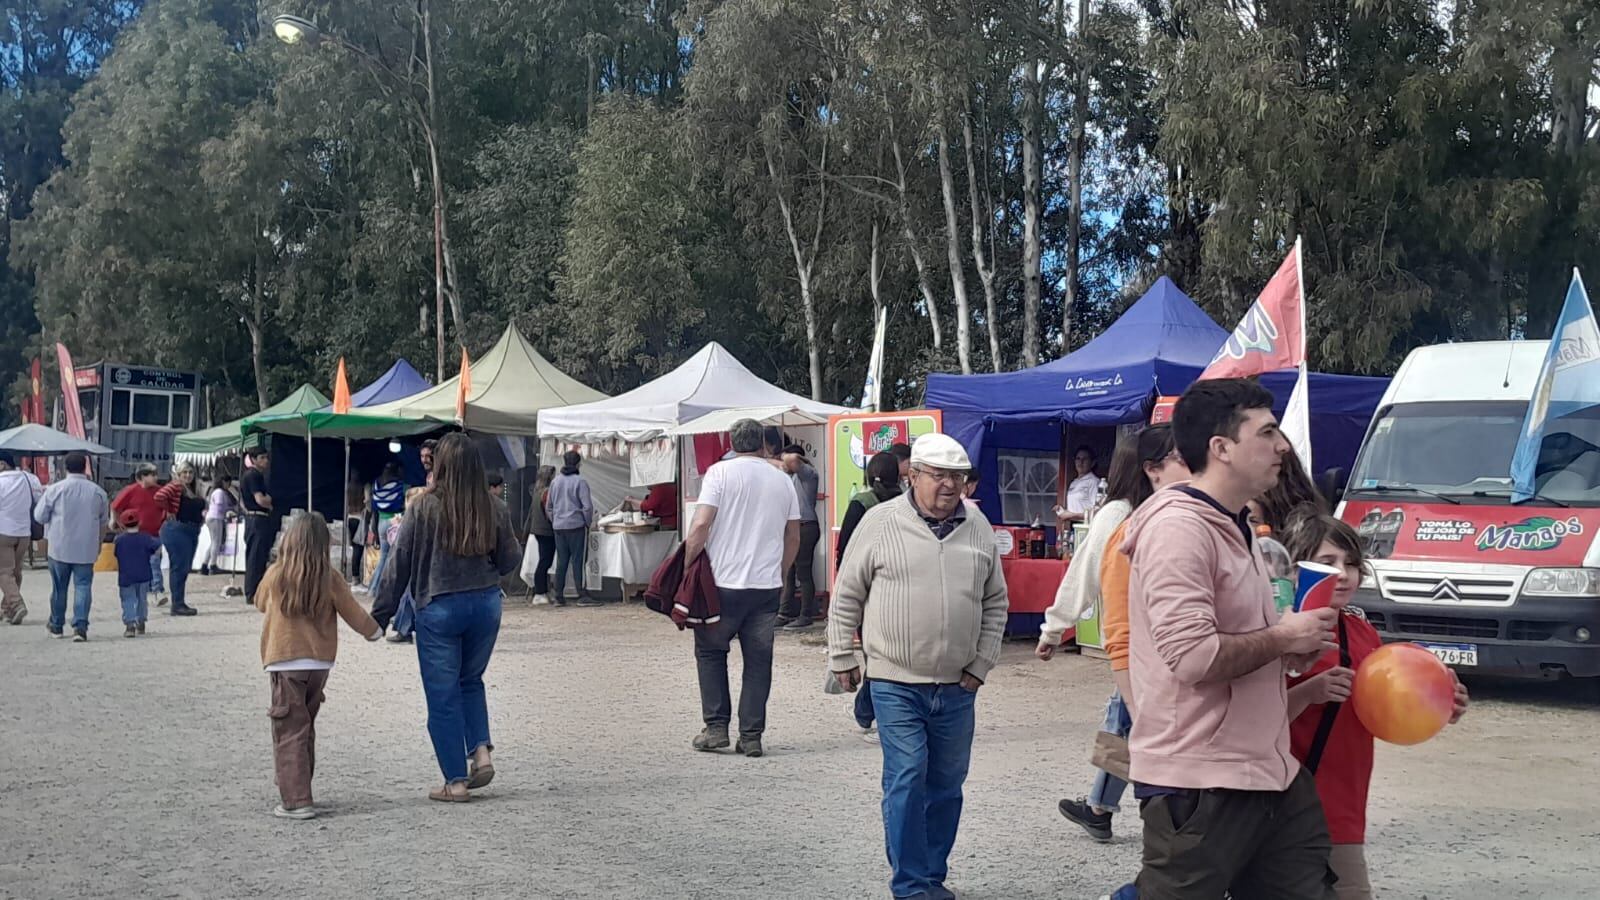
pixel 1315 587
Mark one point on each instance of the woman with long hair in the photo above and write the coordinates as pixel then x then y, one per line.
pixel 1152 464
pixel 544 534
pixel 1293 494
pixel 454 546
pixel 180 533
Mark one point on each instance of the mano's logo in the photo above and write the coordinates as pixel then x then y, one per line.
pixel 1534 533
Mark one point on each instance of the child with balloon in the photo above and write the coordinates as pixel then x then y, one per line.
pixel 1327 734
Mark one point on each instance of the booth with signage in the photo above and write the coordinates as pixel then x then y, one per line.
pixel 1022 427
pixel 138 412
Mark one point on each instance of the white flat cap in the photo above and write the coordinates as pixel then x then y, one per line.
pixel 940 451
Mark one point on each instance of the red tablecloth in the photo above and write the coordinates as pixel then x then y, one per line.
pixel 1032 583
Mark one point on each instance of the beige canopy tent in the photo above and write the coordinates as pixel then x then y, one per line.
pixel 510 384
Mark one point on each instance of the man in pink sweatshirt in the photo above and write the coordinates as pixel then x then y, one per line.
pixel 1226 808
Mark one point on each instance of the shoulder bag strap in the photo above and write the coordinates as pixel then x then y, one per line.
pixel 1330 711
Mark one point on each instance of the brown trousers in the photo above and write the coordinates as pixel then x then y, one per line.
pixel 13 550
pixel 296 697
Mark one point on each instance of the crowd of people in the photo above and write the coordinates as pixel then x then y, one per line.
pixel 1228 718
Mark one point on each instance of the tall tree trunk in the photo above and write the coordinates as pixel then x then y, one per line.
pixel 980 214
pixel 254 322
pixel 1080 116
pixel 914 243
pixel 452 292
pixel 952 232
pixel 1572 63
pixel 1032 215
pixel 804 263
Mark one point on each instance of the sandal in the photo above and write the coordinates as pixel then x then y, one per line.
pixel 479 776
pixel 448 794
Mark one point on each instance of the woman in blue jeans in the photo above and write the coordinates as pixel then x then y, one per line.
pixel 454 546
pixel 180 533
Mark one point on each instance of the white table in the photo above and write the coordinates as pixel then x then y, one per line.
pixel 630 557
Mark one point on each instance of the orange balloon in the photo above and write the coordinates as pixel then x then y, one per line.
pixel 1404 694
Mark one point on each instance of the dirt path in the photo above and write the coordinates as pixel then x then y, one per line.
pixel 141 768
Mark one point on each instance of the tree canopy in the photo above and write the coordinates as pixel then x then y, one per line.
pixel 628 180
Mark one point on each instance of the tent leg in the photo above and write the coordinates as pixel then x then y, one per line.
pixel 344 524
pixel 309 474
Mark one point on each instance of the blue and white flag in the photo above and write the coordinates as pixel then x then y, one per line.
pixel 1568 382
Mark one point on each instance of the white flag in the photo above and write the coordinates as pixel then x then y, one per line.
pixel 872 393
pixel 1296 423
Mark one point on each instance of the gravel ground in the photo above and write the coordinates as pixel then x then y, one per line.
pixel 142 768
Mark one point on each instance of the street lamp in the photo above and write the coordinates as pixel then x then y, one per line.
pixel 294 31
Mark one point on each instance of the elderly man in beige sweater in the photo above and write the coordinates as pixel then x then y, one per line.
pixel 922 581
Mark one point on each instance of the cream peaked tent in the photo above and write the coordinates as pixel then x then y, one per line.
pixel 710 381
pixel 510 384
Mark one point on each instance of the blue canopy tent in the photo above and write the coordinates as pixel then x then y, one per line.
pixel 402 380
pixel 1157 347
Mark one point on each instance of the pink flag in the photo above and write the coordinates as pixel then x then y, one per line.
pixel 69 394
pixel 1272 334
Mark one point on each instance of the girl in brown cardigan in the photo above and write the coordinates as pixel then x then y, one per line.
pixel 301 595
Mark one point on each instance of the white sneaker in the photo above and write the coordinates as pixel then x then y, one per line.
pixel 541 599
pixel 302 813
pixel 358 589
pixel 868 734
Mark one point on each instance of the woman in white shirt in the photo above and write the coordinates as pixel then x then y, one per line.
pixel 1082 491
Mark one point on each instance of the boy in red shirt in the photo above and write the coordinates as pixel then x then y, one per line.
pixel 140 498
pixel 1343 764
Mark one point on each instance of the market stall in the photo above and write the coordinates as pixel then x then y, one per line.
pixel 1021 428
pixel 671 430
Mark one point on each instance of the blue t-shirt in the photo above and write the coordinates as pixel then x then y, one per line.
pixel 133 550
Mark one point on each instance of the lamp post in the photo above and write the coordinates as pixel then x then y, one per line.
pixel 294 30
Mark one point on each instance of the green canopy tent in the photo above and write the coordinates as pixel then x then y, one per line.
pixel 204 446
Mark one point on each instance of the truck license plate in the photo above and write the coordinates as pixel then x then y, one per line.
pixel 1454 654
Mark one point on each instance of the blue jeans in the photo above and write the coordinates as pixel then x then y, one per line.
pixel 135 602
pixel 405 617
pixel 570 546
pixel 926 732
pixel 455 637
pixel 180 539
pixel 82 575
pixel 157 585
pixel 1107 790
pixel 864 712
pixel 383 552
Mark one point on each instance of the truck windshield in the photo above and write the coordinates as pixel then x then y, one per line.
pixel 1463 450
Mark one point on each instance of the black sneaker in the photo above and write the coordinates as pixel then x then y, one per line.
pixel 140 628
pixel 54 631
pixel 185 610
pixel 799 624
pixel 589 600
pixel 749 746
pixel 129 631
pixel 783 621
pixel 1097 824
pixel 79 635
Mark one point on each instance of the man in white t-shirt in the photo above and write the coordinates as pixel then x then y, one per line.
pixel 748 521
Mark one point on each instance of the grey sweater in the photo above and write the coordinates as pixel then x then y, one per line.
pixel 419 562
pixel 928 609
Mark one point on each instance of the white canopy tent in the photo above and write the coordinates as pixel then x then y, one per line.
pixel 655 425
pixel 711 381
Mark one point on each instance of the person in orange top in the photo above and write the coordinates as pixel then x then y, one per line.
pixel 303 597
pixel 1159 466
